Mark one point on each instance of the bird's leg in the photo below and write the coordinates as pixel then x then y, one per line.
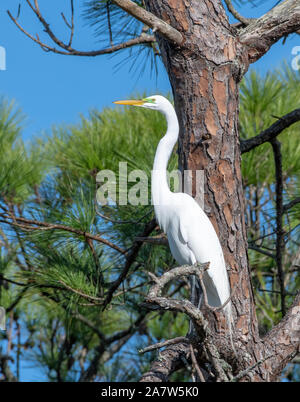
pixel 200 296
pixel 191 330
pixel 193 290
pixel 196 298
pixel 196 291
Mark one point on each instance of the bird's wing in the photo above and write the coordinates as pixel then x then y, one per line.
pixel 183 230
pixel 200 237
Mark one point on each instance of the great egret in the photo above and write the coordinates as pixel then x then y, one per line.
pixel 191 235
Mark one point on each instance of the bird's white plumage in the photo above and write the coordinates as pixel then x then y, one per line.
pixel 192 239
pixel 191 235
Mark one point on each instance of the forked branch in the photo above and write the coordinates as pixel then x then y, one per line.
pixel 150 20
pixel 283 341
pixel 262 33
pixel 155 300
pixel 236 14
pixel 272 132
pixel 66 48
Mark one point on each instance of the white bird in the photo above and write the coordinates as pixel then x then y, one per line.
pixel 191 235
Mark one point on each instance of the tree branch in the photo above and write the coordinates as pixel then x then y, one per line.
pixel 168 342
pixel 31 224
pixel 236 14
pixel 272 132
pixel 262 33
pixel 67 49
pixel 206 337
pixel 160 240
pixel 5 369
pixel 283 341
pixel 150 20
pixel 168 361
pixel 131 256
pixel 279 215
pixel 252 246
pixel 291 204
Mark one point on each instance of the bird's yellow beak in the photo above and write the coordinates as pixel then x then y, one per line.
pixel 131 102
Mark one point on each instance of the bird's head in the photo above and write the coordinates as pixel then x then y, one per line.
pixel 154 102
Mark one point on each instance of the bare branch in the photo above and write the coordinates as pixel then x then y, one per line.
pixel 109 23
pixel 168 361
pixel 262 33
pixel 160 240
pixel 71 26
pixel 279 217
pixel 155 300
pixel 236 14
pixel 67 49
pixel 150 20
pixel 245 372
pixel 272 132
pixel 195 364
pixel 168 342
pixel 283 341
pixel 291 204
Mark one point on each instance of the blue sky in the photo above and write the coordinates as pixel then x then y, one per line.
pixel 54 89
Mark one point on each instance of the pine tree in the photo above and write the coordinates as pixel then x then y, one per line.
pixel 74 275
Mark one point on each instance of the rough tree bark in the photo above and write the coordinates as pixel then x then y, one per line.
pixel 205 72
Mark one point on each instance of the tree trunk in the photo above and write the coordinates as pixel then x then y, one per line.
pixel 205 73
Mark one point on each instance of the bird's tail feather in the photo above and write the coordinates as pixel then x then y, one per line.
pixel 215 300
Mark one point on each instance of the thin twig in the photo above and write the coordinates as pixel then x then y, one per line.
pixel 291 204
pixel 78 292
pixel 196 365
pixel 109 23
pixel 3 278
pixel 159 345
pixel 242 374
pixel 69 51
pixel 236 14
pixel 276 292
pixel 259 250
pixel 39 225
pixel 121 222
pixel 160 240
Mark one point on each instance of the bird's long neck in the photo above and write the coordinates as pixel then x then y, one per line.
pixel 159 186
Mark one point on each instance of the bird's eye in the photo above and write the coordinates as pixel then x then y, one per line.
pixel 149 100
